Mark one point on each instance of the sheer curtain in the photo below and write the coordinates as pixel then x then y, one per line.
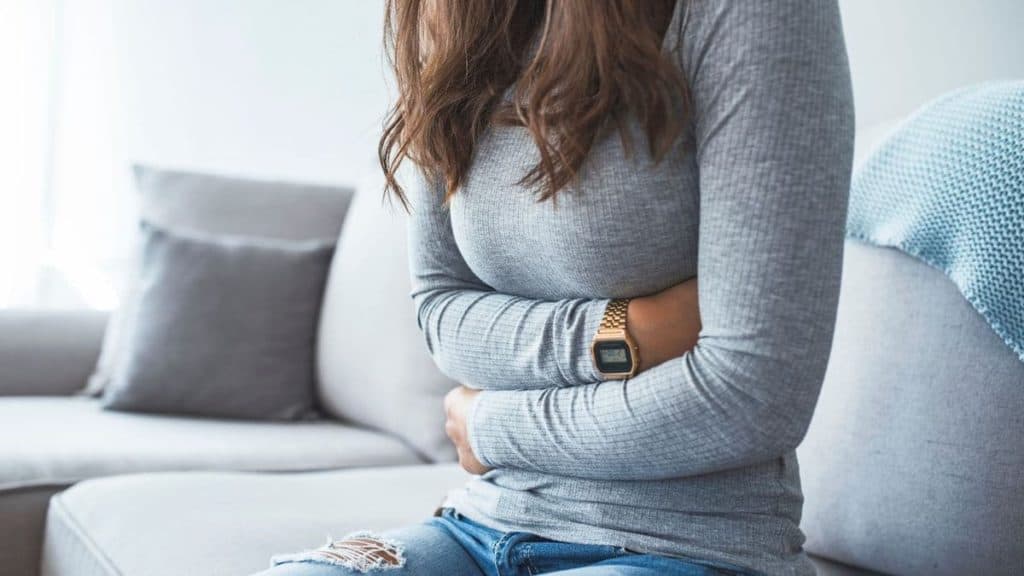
pixel 62 181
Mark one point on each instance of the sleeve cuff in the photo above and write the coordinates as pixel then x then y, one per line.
pixel 593 313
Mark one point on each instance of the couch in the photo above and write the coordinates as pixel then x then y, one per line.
pixel 914 463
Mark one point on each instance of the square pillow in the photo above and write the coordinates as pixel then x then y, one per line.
pixel 218 204
pixel 223 326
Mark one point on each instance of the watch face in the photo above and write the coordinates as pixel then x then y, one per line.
pixel 613 357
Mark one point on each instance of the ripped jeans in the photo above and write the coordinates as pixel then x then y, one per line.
pixel 453 545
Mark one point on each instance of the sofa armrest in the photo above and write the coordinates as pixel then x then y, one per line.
pixel 48 353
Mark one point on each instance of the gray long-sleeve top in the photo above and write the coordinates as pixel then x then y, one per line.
pixel 694 457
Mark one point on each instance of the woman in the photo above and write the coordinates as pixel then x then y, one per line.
pixel 579 165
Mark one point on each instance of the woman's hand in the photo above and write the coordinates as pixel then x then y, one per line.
pixel 456 408
pixel 665 325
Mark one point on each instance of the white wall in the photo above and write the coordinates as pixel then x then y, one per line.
pixel 291 89
pixel 296 88
pixel 905 52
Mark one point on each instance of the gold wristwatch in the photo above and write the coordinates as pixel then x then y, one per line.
pixel 615 354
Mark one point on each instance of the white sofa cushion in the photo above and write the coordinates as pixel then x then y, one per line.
pixel 207 524
pixel 48 352
pixel 47 441
pixel 870 137
pixel 219 204
pixel 372 361
pixel 215 523
pixel 914 462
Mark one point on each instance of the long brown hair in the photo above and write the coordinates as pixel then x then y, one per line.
pixel 575 66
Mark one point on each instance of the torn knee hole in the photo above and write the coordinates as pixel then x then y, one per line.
pixel 367 549
pixel 361 551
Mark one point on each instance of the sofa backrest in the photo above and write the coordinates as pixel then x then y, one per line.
pixel 373 367
pixel 914 462
pixel 220 204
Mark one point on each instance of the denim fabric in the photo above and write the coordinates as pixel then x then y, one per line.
pixel 453 545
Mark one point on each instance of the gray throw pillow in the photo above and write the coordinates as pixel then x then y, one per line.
pixel 216 204
pixel 224 326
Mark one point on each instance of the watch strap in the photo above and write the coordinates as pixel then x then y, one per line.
pixel 615 315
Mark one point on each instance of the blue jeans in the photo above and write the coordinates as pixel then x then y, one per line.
pixel 453 545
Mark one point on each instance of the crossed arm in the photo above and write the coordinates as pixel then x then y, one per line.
pixel 492 341
pixel 773 129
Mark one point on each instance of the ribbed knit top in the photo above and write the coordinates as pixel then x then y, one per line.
pixel 695 457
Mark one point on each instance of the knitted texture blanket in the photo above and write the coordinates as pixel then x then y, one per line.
pixel 947 187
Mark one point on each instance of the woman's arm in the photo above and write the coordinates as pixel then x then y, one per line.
pixel 493 341
pixel 467 325
pixel 774 129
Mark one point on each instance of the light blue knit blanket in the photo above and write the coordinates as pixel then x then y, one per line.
pixel 947 186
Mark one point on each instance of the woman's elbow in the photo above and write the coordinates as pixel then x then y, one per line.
pixel 789 415
pixel 423 307
pixel 774 403
pixel 788 426
pixel 768 431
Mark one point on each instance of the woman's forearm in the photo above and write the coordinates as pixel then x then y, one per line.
pixel 488 340
pixel 477 336
pixel 494 341
pixel 665 325
pixel 689 416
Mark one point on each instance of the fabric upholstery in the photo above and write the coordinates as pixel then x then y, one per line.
pixel 948 188
pixel 216 524
pixel 48 352
pixel 219 523
pixel 47 441
pixel 373 365
pixel 22 515
pixel 224 326
pixel 218 204
pixel 869 138
pixel 215 204
pixel 826 567
pixel 914 462
pixel 47 444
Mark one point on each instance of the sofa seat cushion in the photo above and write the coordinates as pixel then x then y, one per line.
pixel 230 523
pixel 227 523
pixel 54 441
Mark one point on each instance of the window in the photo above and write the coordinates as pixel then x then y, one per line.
pixel 59 170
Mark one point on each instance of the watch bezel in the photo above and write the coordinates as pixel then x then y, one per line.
pixel 615 336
